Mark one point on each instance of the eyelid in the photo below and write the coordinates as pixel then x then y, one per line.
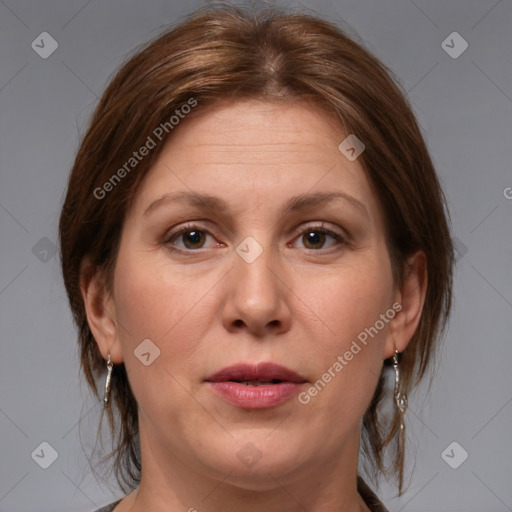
pixel 340 236
pixel 183 228
pixel 323 226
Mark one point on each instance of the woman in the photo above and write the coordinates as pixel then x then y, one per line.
pixel 253 230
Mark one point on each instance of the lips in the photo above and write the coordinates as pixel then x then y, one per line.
pixel 260 386
pixel 256 375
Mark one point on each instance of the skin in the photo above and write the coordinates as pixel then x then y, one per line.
pixel 301 303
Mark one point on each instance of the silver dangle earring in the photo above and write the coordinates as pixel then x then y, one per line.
pixel 400 399
pixel 106 394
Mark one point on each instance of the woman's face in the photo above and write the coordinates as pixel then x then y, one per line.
pixel 253 239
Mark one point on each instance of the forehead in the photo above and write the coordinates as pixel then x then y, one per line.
pixel 269 132
pixel 269 150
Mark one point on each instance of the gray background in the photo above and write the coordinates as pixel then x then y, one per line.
pixel 464 106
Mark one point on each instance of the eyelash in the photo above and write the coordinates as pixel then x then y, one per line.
pixel 168 241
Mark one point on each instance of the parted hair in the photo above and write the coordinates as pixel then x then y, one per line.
pixel 233 53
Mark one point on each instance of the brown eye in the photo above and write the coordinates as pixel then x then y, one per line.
pixel 313 239
pixel 188 238
pixel 193 238
pixel 320 238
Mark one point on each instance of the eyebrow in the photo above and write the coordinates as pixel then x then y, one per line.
pixel 295 204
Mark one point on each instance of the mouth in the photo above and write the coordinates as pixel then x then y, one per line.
pixel 257 382
pixel 260 386
pixel 256 375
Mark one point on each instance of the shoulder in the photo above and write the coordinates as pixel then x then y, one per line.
pixel 108 508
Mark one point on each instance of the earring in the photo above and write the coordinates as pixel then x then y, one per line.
pixel 106 394
pixel 401 403
pixel 400 397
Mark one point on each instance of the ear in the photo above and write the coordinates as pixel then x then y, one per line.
pixel 411 297
pixel 100 311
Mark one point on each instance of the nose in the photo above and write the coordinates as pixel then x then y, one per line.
pixel 257 297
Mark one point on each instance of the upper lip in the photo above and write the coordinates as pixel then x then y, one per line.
pixel 250 372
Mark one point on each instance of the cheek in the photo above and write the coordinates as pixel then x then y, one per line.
pixel 151 298
pixel 154 304
pixel 157 304
pixel 350 299
pixel 350 339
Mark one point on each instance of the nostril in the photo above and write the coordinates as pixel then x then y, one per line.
pixel 238 323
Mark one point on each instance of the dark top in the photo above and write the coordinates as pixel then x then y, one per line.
pixel 369 497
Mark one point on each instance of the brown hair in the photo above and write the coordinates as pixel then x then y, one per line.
pixel 230 52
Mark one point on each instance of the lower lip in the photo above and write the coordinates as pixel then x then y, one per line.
pixel 256 397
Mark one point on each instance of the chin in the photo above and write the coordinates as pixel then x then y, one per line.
pixel 254 463
pixel 261 477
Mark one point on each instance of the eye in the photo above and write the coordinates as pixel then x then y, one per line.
pixel 315 238
pixel 189 238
